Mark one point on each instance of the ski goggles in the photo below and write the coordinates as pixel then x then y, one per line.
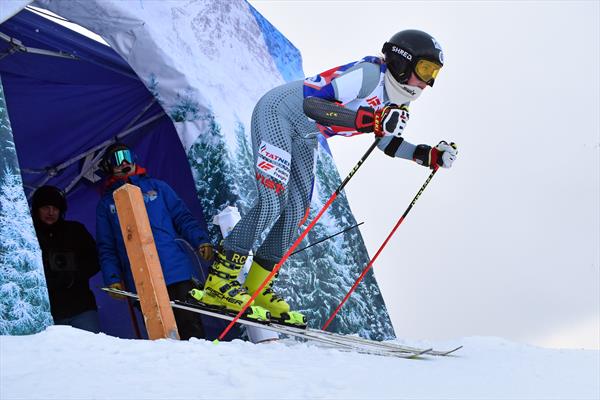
pixel 427 70
pixel 118 157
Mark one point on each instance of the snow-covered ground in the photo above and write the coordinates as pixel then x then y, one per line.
pixel 66 363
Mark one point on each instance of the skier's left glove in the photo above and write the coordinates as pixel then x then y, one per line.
pixel 388 121
pixel 118 286
pixel 442 155
pixel 205 250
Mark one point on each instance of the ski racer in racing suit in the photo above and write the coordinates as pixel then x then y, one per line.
pixel 371 95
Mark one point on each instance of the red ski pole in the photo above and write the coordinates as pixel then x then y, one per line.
pixel 300 238
pixel 370 264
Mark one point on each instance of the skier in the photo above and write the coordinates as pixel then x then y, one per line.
pixel 371 95
pixel 169 219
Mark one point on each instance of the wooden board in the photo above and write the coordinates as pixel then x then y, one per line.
pixel 145 264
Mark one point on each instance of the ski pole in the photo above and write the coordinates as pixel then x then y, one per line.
pixel 327 238
pixel 300 238
pixel 370 264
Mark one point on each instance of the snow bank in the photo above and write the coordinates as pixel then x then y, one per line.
pixel 66 363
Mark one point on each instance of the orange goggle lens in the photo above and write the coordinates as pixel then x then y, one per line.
pixel 427 70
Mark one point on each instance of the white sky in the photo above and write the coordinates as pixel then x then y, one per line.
pixel 506 243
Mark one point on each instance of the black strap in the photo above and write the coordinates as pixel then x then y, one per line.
pixel 421 154
pixel 221 274
pixel 393 146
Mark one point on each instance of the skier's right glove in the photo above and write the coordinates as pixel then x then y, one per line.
pixel 442 155
pixel 388 121
pixel 119 286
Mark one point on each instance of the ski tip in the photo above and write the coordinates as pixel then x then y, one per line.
pixel 423 352
pixel 216 341
pixel 451 352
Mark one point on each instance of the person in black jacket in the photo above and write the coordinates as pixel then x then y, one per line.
pixel 70 259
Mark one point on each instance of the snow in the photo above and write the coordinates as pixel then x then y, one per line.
pixel 66 363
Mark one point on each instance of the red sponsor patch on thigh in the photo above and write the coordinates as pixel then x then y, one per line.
pixel 270 184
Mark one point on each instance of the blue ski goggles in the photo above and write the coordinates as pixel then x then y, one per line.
pixel 119 157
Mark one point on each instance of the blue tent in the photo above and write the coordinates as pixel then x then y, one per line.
pixel 68 97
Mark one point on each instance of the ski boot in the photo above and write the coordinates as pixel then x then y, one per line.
pixel 223 292
pixel 277 306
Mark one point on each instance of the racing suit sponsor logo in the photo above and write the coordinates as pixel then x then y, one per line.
pixel 270 184
pixel 274 162
pixel 274 154
pixel 374 101
pixel 264 165
pixel 281 174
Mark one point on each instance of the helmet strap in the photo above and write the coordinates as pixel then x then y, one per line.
pixel 399 93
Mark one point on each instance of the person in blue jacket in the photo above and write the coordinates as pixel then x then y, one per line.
pixel 170 220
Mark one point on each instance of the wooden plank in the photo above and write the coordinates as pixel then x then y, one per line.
pixel 145 264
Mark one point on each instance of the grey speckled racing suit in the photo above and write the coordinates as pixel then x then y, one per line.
pixel 284 140
pixel 285 143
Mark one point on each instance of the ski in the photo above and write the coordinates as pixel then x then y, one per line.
pixel 339 342
pixel 386 345
pixel 383 345
pixel 350 338
pixel 299 333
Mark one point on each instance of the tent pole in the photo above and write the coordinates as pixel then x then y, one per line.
pixel 91 163
pixel 94 149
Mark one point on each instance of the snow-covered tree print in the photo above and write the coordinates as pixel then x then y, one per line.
pixel 24 305
pixel 212 171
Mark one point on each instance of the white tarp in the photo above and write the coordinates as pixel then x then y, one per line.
pixel 183 65
pixel 8 8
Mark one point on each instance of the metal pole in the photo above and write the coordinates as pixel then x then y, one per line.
pixel 370 264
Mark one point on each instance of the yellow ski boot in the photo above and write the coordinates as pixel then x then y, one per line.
pixel 277 306
pixel 222 289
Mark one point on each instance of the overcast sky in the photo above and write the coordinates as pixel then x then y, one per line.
pixel 506 243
